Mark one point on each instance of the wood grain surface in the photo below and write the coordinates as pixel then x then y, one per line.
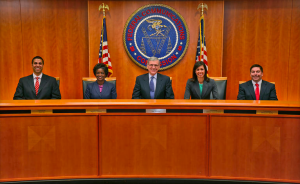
pixel 44 146
pixel 235 146
pixel 126 70
pixel 294 64
pixel 11 55
pixel 259 32
pixel 148 104
pixel 67 35
pixel 255 146
pixel 55 30
pixel 153 145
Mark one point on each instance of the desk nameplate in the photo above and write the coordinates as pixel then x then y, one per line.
pixel 156 110
pixel 95 110
pixel 219 111
pixel 266 112
pixel 42 111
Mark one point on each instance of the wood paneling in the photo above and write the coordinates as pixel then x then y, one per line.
pixel 126 70
pixel 294 59
pixel 45 146
pixel 67 35
pixel 57 31
pixel 255 147
pixel 153 145
pixel 11 58
pixel 267 105
pixel 150 145
pixel 257 32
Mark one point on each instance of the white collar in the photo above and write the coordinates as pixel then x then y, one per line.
pixel 155 76
pixel 40 76
pixel 259 82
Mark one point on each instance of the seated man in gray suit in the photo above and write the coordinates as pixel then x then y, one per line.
pixel 257 89
pixel 37 85
pixel 153 85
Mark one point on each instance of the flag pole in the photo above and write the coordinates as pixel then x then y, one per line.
pixel 201 54
pixel 201 6
pixel 103 7
pixel 103 50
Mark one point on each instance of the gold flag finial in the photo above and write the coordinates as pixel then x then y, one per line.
pixel 103 6
pixel 202 6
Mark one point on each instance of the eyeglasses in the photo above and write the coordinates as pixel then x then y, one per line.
pixel 154 65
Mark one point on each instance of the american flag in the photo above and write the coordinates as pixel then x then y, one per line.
pixel 201 54
pixel 103 51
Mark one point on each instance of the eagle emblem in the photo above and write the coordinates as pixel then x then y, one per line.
pixel 156 25
pixel 156 30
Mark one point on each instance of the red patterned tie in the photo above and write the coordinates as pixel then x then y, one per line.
pixel 257 91
pixel 37 85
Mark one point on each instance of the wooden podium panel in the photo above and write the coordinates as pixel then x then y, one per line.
pixel 255 147
pixel 207 139
pixel 153 145
pixel 48 145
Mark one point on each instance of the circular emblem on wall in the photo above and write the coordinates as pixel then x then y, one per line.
pixel 156 30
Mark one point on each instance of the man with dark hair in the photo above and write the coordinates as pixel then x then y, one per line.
pixel 37 85
pixel 153 85
pixel 257 89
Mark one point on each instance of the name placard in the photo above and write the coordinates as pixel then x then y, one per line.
pixel 220 111
pixel 266 112
pixel 42 111
pixel 156 110
pixel 95 110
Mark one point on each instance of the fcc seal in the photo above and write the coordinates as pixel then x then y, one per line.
pixel 156 30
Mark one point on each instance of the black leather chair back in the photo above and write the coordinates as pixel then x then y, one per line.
pixel 221 85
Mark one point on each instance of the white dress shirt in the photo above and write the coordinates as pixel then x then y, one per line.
pixel 154 80
pixel 40 78
pixel 259 84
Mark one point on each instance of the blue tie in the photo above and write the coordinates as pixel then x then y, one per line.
pixel 152 88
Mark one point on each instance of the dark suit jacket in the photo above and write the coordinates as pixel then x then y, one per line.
pixel 108 91
pixel 163 87
pixel 192 90
pixel 267 91
pixel 48 89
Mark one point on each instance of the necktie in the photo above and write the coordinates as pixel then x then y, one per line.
pixel 152 88
pixel 257 91
pixel 37 85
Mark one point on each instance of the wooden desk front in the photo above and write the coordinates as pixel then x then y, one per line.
pixel 62 141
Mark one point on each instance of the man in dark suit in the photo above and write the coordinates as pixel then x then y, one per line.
pixel 257 89
pixel 37 85
pixel 153 85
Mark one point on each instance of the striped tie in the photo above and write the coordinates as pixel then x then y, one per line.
pixel 37 85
